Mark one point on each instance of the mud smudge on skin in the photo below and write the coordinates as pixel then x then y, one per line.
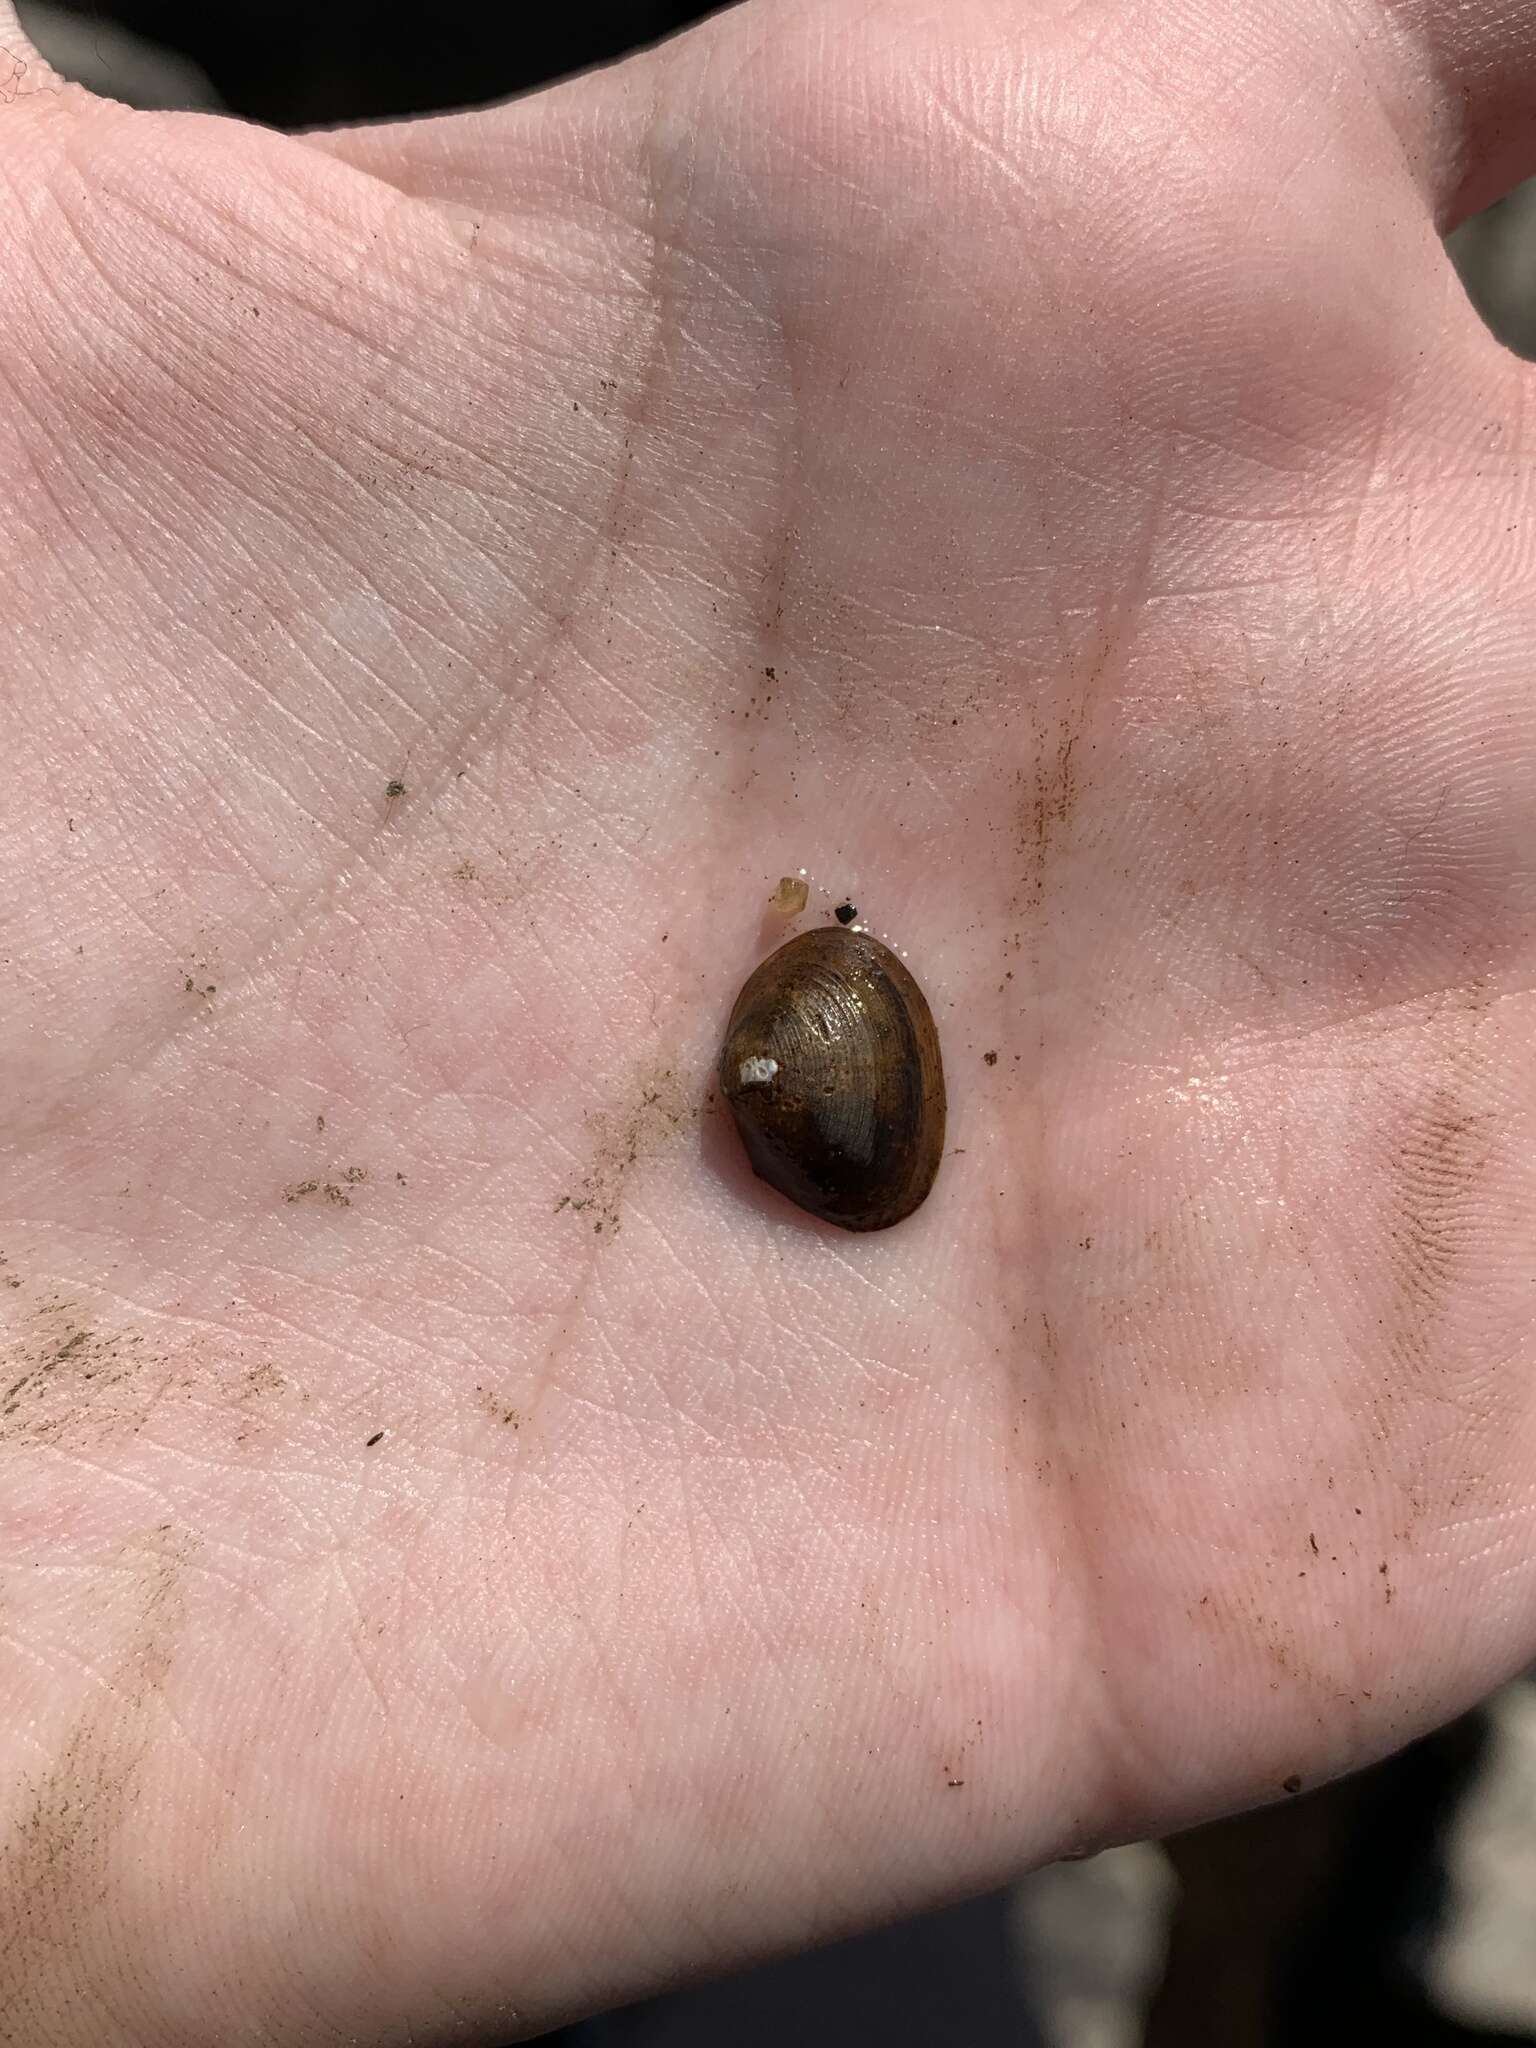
pixel 499 1410
pixel 1434 1166
pixel 75 1381
pixel 336 1191
pixel 658 1114
pixel 63 1376
pixel 58 1858
pixel 1045 808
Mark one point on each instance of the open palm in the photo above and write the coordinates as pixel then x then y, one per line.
pixel 469 1550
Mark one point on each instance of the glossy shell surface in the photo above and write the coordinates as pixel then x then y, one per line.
pixel 831 1067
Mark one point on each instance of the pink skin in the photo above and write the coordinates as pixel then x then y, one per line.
pixel 1073 408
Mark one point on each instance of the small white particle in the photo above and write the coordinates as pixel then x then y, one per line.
pixel 756 1073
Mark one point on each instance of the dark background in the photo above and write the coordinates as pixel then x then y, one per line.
pixel 298 63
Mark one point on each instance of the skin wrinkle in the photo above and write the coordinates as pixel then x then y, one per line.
pixel 1035 1513
pixel 470 736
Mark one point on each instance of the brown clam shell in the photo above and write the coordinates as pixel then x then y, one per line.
pixel 831 1067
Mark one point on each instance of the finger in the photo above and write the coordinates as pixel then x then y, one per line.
pixel 1458 79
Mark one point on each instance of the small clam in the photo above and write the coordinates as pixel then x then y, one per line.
pixel 831 1067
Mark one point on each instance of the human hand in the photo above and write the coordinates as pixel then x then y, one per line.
pixel 470 1552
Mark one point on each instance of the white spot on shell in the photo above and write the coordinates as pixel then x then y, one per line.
pixel 756 1073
